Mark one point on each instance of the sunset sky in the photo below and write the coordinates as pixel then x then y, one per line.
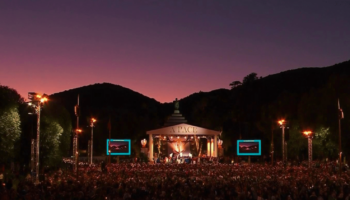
pixel 164 49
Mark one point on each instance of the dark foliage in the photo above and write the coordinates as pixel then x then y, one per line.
pixel 131 113
pixel 305 97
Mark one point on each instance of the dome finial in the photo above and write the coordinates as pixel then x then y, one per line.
pixel 177 106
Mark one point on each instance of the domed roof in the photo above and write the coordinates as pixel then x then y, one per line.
pixel 176 117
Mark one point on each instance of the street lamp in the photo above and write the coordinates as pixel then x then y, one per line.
pixel 308 134
pixel 143 143
pixel 93 120
pixel 75 139
pixel 340 117
pixel 220 142
pixel 37 101
pixel 282 123
pixel 76 148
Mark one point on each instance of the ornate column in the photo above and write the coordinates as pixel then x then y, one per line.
pixel 208 146
pixel 215 146
pixel 150 147
pixel 211 147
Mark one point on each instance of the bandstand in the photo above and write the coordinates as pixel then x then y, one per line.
pixel 177 138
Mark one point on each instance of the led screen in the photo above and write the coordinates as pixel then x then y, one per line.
pixel 179 146
pixel 249 147
pixel 118 147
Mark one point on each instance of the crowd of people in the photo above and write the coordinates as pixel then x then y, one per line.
pixel 214 181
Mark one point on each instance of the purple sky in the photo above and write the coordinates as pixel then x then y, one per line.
pixel 164 49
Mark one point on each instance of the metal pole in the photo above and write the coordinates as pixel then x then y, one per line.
pixel 283 155
pixel 340 162
pixel 32 155
pixel 77 135
pixel 76 162
pixel 92 142
pixel 38 142
pixel 74 150
pixel 272 146
pixel 109 153
pixel 89 151
pixel 340 116
pixel 76 139
pixel 286 151
pixel 310 150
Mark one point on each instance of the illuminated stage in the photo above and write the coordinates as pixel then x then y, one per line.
pixel 179 139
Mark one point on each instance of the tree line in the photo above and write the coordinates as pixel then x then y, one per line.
pixel 18 125
pixel 306 98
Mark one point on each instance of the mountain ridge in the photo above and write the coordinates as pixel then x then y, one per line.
pixel 236 111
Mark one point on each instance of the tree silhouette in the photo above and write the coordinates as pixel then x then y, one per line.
pixel 10 124
pixel 235 84
pixel 250 78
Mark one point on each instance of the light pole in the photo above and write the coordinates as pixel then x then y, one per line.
pixel 76 149
pixel 220 142
pixel 37 101
pixel 143 143
pixel 109 141
pixel 93 120
pixel 286 150
pixel 340 117
pixel 308 134
pixel 272 145
pixel 75 140
pixel 282 124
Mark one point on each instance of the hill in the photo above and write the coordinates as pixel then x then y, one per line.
pixel 131 113
pixel 306 97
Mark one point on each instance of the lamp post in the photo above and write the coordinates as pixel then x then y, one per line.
pixel 220 142
pixel 143 143
pixel 272 146
pixel 308 134
pixel 76 149
pixel 282 124
pixel 37 101
pixel 93 120
pixel 340 117
pixel 109 141
pixel 144 150
pixel 75 140
pixel 220 149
